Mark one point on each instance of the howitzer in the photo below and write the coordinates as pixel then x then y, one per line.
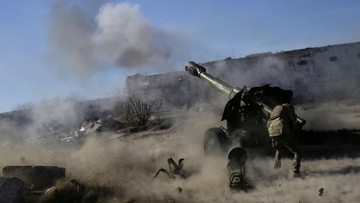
pixel 247 113
pixel 265 97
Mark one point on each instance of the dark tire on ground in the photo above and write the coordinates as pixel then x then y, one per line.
pixel 215 141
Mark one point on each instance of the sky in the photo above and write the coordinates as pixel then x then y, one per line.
pixel 86 48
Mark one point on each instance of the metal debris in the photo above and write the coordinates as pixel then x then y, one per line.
pixel 179 189
pixel 11 190
pixel 174 169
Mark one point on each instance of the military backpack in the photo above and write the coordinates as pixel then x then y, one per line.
pixel 281 120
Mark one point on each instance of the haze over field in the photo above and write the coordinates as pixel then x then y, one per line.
pixel 129 165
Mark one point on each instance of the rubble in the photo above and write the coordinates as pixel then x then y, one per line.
pixel 173 170
pixel 45 184
pixel 74 191
pixel 35 177
pixel 11 190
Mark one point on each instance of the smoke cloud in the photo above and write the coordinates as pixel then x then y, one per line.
pixel 331 115
pixel 325 93
pixel 94 35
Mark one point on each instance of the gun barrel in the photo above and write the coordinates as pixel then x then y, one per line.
pixel 199 71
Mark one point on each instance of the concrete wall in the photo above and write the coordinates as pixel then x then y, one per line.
pixel 314 74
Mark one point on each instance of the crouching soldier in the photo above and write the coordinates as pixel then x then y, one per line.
pixel 283 129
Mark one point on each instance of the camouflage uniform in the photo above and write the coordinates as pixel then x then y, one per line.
pixel 282 128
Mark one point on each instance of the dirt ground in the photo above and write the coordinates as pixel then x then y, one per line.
pixel 128 164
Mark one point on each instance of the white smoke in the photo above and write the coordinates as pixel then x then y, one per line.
pixel 112 34
pixel 326 93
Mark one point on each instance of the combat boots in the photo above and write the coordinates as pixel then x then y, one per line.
pixel 277 160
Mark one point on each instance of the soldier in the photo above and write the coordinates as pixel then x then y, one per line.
pixel 283 128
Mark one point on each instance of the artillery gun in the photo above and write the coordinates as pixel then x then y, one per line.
pixel 246 113
pixel 248 109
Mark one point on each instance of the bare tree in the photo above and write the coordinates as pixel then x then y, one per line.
pixel 139 111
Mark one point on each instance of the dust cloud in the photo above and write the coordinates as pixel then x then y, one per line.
pixel 326 96
pixel 320 81
pixel 129 164
pixel 331 115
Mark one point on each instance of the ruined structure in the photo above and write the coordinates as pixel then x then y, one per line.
pixel 322 73
pixel 329 73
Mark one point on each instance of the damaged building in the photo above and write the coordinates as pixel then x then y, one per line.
pixel 321 73
pixel 314 74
